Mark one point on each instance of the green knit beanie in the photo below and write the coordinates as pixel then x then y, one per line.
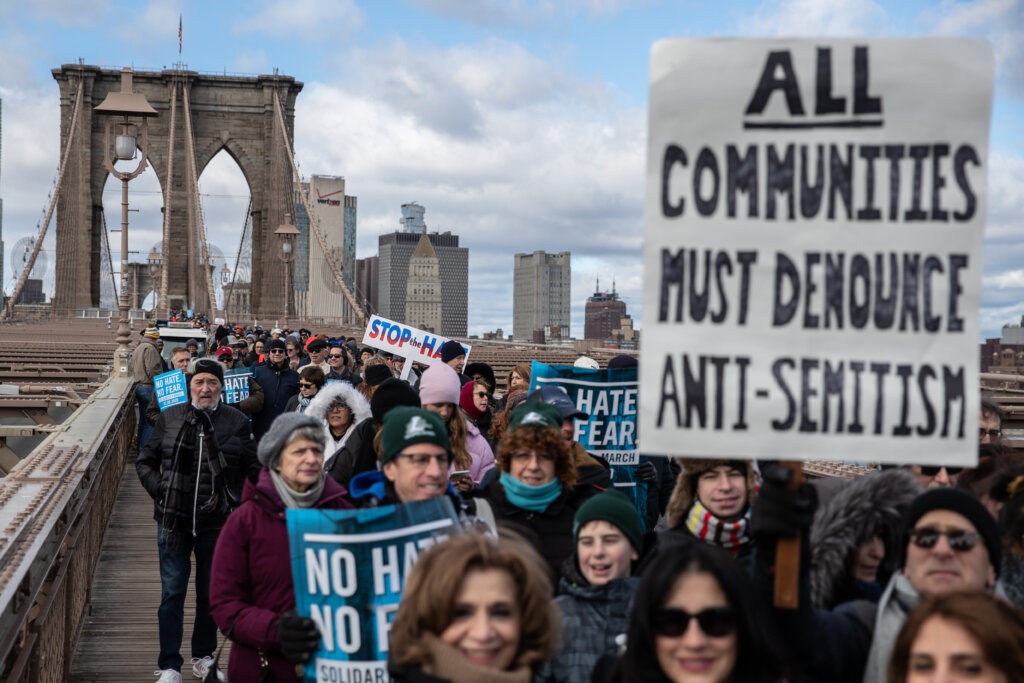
pixel 405 426
pixel 615 508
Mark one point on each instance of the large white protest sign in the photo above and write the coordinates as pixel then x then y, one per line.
pixel 410 343
pixel 814 226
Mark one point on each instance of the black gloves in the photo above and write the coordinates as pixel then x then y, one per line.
pixel 779 512
pixel 646 471
pixel 297 637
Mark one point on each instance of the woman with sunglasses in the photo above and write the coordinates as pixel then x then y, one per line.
pixel 341 407
pixel 962 636
pixel 475 608
pixel 696 618
pixel 311 380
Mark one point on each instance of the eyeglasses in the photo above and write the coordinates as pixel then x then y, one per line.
pixel 715 622
pixel 932 470
pixel 991 433
pixel 305 385
pixel 959 540
pixel 422 460
pixel 276 351
pixel 338 406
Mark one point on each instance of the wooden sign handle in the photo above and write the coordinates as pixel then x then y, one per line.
pixel 787 553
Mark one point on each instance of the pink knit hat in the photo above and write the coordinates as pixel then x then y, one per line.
pixel 439 384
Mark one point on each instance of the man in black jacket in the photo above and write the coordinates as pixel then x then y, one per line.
pixel 193 466
pixel 279 384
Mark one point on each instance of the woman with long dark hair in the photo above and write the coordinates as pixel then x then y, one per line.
pixel 696 617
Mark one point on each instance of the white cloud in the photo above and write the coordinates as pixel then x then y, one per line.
pixel 1001 22
pixel 513 156
pixel 814 18
pixel 310 20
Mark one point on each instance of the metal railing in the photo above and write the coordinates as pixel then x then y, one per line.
pixel 54 508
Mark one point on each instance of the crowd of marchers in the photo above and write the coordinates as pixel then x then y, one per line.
pixel 906 574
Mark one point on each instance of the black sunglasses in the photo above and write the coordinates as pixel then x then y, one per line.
pixel 959 540
pixel 335 355
pixel 713 621
pixel 305 385
pixel 932 470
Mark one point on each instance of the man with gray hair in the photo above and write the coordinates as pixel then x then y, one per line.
pixel 193 467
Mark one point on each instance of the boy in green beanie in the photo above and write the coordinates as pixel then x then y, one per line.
pixel 596 590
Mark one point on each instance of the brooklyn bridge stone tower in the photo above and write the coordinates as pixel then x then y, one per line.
pixel 231 113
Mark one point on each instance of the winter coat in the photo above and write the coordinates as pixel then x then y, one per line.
pixel 319 406
pixel 146 362
pixel 279 384
pixel 593 617
pixel 481 456
pixel 871 505
pixel 251 581
pixel 549 531
pixel 357 455
pixel 233 440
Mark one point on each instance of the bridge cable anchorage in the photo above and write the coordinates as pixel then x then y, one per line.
pixel 357 308
pixel 195 201
pixel 9 308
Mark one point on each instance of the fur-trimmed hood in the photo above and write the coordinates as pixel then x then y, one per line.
pixel 870 505
pixel 331 390
pixel 686 486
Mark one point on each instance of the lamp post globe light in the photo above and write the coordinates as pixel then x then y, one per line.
pixel 286 235
pixel 129 107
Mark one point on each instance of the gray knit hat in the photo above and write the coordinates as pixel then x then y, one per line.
pixel 280 432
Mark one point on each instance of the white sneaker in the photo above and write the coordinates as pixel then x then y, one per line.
pixel 201 665
pixel 167 676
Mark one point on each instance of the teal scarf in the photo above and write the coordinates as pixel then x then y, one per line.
pixel 532 498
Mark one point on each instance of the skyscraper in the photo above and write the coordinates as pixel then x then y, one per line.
pixel 318 294
pixel 542 285
pixel 394 251
pixel 604 314
pixel 423 288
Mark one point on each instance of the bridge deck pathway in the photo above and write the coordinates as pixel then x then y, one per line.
pixel 119 640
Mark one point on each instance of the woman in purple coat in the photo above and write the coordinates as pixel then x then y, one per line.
pixel 252 598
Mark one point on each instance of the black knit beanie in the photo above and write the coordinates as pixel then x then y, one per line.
pixel 615 508
pixel 208 366
pixel 962 503
pixel 389 394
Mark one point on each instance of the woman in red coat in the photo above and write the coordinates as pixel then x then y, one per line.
pixel 251 587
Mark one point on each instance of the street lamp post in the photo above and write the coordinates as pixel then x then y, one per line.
pixel 286 235
pixel 128 106
pixel 154 261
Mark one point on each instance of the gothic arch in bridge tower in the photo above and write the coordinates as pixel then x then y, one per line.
pixel 232 113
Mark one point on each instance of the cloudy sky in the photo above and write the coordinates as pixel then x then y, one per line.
pixel 518 124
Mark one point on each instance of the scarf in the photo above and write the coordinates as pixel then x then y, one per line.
pixel 195 449
pixel 303 404
pixel 532 498
pixel 450 664
pixel 729 535
pixel 292 498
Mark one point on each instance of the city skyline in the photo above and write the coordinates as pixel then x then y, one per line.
pixel 520 125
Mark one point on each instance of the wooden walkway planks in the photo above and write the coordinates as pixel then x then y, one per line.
pixel 119 637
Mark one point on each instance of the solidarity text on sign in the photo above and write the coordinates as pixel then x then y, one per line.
pixel 814 228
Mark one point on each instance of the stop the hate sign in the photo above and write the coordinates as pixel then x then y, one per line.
pixel 814 225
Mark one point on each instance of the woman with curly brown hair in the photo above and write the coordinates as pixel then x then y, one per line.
pixel 474 608
pixel 536 489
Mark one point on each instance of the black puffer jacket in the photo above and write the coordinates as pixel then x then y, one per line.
pixel 234 440
pixel 549 531
pixel 279 384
